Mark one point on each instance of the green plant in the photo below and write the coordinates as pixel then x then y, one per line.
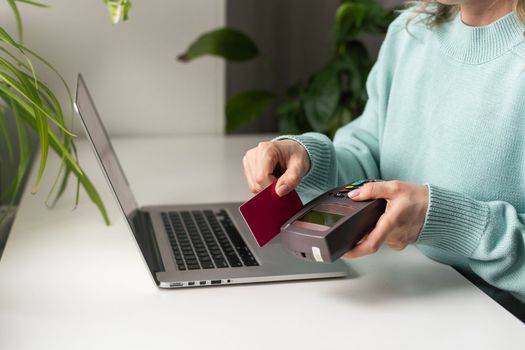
pixel 118 9
pixel 332 96
pixel 32 106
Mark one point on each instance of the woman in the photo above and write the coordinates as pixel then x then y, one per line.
pixel 445 125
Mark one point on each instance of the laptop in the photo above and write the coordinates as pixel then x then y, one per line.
pixel 193 245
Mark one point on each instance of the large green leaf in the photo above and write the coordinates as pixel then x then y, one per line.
pixel 230 44
pixel 321 98
pixel 246 107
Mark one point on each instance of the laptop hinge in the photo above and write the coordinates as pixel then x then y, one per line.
pixel 147 241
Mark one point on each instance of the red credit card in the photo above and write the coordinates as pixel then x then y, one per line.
pixel 266 212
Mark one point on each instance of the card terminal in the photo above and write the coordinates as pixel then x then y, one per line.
pixel 331 224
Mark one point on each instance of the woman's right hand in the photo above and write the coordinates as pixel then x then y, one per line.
pixel 261 162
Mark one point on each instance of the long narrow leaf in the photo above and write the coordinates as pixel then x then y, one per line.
pixel 18 20
pixel 5 37
pixel 50 66
pixel 50 98
pixel 84 180
pixel 5 134
pixel 61 169
pixel 24 145
pixel 19 89
pixel 59 148
pixel 42 130
pixel 34 105
pixel 34 3
pixel 5 90
pixel 27 89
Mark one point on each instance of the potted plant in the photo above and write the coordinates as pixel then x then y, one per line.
pixel 330 98
pixel 30 110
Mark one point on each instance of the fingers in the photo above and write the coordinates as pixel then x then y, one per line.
pixel 290 179
pixel 374 190
pixel 260 163
pixel 267 161
pixel 371 243
pixel 248 174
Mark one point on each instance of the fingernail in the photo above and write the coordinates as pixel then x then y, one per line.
pixel 354 193
pixel 282 190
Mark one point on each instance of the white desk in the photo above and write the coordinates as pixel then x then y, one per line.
pixel 69 282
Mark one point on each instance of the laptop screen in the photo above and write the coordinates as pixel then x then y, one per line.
pixel 106 156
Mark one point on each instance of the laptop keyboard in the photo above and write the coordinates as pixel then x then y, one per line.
pixel 206 240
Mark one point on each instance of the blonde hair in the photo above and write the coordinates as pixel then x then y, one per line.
pixel 440 13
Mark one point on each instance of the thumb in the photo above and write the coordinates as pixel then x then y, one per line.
pixel 289 180
pixel 374 190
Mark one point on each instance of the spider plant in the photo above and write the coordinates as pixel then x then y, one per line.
pixel 34 108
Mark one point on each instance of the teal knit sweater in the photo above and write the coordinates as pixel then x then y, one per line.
pixel 446 108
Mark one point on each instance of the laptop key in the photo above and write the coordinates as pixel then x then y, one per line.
pixel 249 260
pixel 221 263
pixel 207 265
pixel 193 266
pixel 234 260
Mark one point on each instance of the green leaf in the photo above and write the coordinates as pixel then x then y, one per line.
pixel 5 133
pixel 230 44
pixel 16 13
pixel 35 103
pixel 18 19
pixel 292 119
pixel 350 13
pixel 30 92
pixel 321 98
pixel 5 37
pixel 34 3
pixel 35 106
pixel 118 9
pixel 246 107
pixel 24 146
pixel 27 108
pixel 71 163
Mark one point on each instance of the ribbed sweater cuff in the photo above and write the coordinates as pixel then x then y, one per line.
pixel 321 154
pixel 454 222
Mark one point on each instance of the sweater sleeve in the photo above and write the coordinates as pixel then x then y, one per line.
pixel 491 235
pixel 355 152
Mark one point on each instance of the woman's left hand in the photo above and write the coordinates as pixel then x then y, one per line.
pixel 400 225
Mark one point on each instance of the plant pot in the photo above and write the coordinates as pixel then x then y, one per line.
pixel 7 215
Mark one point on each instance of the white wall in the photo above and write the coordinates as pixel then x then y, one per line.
pixel 131 70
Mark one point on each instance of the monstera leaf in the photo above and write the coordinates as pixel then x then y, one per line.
pixel 228 43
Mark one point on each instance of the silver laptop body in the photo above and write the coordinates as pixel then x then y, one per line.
pixel 177 260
